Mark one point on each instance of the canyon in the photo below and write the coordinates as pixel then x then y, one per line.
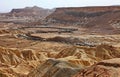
pixel 61 42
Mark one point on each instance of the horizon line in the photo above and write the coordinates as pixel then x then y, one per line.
pixel 61 7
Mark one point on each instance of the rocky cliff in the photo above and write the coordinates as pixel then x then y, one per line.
pixel 97 19
pixel 31 12
pixel 27 14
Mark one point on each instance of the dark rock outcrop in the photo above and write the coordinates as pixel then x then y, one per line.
pixel 55 68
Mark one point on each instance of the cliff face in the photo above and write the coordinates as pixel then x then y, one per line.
pixel 72 15
pixel 31 12
pixel 24 15
pixel 92 18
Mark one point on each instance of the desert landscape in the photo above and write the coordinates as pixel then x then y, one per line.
pixel 60 42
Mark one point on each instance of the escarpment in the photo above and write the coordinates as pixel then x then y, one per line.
pixel 94 19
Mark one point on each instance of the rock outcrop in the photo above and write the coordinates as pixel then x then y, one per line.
pixel 25 15
pixel 106 68
pixel 55 68
pixel 13 60
pixel 31 11
pixel 14 56
pixel 66 60
pixel 95 19
pixel 88 56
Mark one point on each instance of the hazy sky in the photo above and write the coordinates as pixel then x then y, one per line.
pixel 7 5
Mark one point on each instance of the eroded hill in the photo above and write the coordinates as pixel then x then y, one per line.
pixel 106 68
pixel 25 15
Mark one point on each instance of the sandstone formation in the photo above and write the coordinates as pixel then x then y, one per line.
pixel 55 68
pixel 67 42
pixel 94 19
pixel 106 68
pixel 15 56
pixel 87 56
pixel 25 15
pixel 31 11
pixel 13 61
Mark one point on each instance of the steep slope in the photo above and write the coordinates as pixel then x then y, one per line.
pixel 55 68
pixel 27 14
pixel 87 56
pixel 12 61
pixel 30 12
pixel 104 19
pixel 15 56
pixel 106 68
pixel 70 58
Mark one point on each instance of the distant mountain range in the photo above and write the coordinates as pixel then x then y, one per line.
pixel 31 11
pixel 26 14
pixel 105 19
